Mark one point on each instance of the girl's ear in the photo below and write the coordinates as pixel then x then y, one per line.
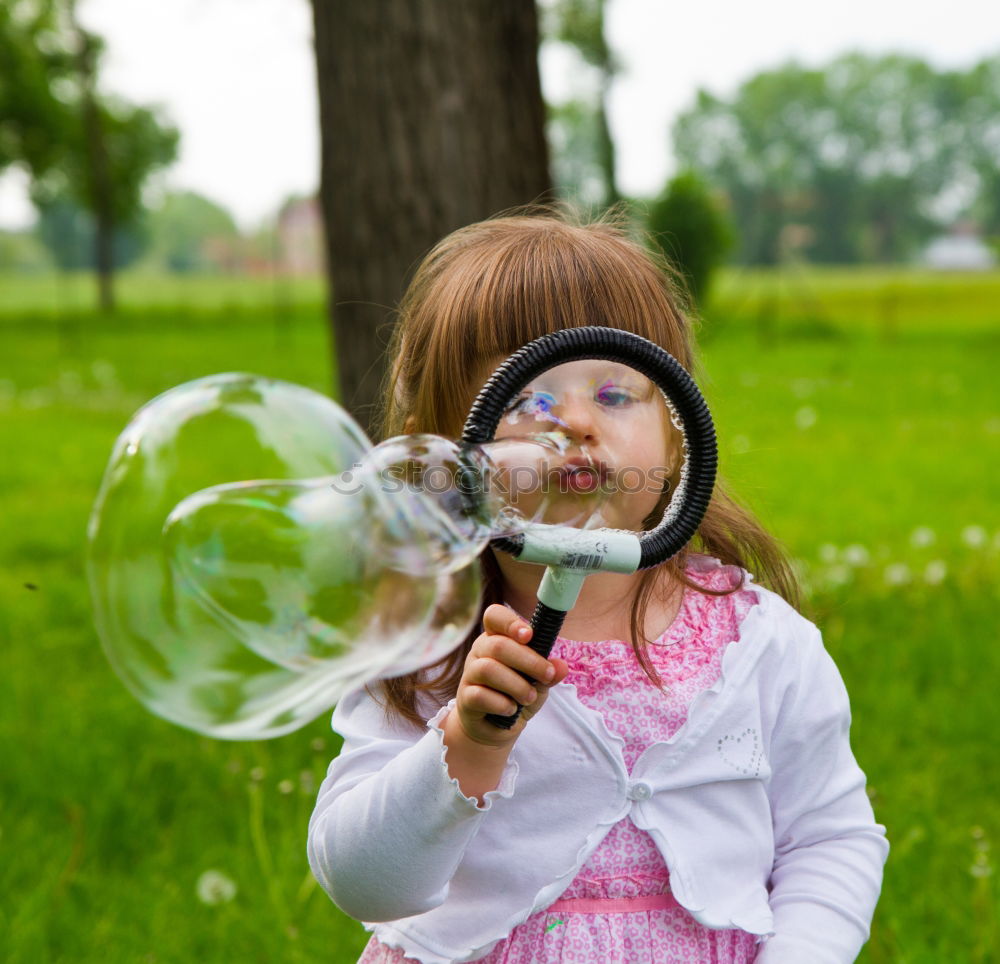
pixel 409 425
pixel 675 449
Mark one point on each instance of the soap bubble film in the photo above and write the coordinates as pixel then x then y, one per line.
pixel 244 609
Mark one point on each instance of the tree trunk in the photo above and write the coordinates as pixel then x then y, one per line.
pixel 98 173
pixel 104 220
pixel 432 117
pixel 605 143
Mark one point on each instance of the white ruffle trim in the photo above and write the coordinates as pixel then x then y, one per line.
pixel 508 779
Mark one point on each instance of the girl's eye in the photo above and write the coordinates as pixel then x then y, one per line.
pixel 537 403
pixel 613 397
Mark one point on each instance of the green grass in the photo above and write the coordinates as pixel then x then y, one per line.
pixel 869 449
pixel 77 292
pixel 885 302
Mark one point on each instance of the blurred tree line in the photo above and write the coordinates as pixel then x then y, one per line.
pixel 862 160
pixel 171 234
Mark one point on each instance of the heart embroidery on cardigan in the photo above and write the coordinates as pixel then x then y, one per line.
pixel 742 752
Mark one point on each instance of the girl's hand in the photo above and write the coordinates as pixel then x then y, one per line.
pixel 492 681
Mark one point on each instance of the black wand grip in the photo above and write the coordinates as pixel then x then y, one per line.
pixel 545 625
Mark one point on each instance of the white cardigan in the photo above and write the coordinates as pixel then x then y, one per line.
pixel 756 804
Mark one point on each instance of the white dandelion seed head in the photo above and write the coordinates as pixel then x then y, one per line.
pixel 974 537
pixel 828 553
pixel 934 572
pixel 805 417
pixel 922 536
pixel 286 787
pixel 214 887
pixel 897 574
pixel 257 774
pixel 103 371
pixel 838 574
pixel 856 555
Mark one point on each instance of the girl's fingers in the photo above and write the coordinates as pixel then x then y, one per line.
pixel 516 655
pixel 495 669
pixel 500 621
pixel 496 676
pixel 482 699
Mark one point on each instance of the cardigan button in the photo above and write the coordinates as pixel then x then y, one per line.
pixel 640 791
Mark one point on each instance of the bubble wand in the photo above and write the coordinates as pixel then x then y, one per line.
pixel 570 554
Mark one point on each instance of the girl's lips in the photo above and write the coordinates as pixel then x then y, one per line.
pixel 581 475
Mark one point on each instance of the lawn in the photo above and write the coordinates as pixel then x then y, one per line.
pixel 857 415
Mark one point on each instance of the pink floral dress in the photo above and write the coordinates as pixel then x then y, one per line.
pixel 619 909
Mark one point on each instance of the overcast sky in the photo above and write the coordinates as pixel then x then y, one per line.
pixel 236 76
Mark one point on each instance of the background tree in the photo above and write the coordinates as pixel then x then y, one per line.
pixel 581 132
pixel 82 147
pixel 68 233
pixel 106 182
pixel 692 229
pixel 33 119
pixel 866 154
pixel 431 117
pixel 573 138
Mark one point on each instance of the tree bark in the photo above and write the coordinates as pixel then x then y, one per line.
pixel 103 210
pixel 95 150
pixel 431 117
pixel 605 143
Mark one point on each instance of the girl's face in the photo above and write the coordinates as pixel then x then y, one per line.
pixel 612 428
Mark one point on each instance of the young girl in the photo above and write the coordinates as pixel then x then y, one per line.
pixel 680 785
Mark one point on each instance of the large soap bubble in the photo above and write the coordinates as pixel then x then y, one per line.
pixel 242 609
pixel 262 649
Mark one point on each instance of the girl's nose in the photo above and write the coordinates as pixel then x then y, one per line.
pixel 578 417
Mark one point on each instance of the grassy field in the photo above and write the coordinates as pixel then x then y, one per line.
pixel 863 426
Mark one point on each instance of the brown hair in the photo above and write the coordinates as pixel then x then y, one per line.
pixel 486 290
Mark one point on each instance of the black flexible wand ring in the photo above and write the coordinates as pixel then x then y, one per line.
pixel 680 523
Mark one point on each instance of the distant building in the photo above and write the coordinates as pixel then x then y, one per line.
pixel 960 250
pixel 300 238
